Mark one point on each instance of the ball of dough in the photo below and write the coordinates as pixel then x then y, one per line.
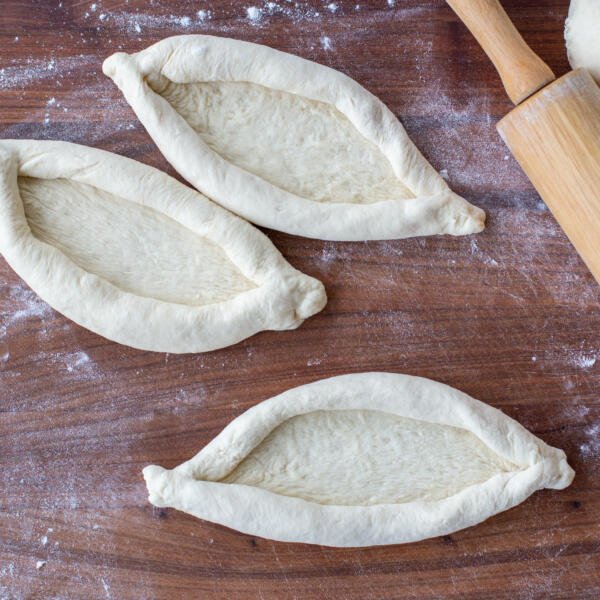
pixel 582 31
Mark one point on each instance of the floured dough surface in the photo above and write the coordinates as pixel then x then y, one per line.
pixel 134 247
pixel 302 146
pixel 367 457
pixel 581 34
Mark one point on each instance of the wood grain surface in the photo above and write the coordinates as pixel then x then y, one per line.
pixel 510 316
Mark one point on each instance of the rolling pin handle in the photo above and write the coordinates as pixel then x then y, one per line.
pixel 522 71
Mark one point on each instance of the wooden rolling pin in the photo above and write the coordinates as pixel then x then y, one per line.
pixel 554 132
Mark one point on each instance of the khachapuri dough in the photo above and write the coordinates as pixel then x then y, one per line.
pixel 286 143
pixel 361 460
pixel 135 256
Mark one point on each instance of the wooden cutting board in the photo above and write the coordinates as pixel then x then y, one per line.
pixel 510 316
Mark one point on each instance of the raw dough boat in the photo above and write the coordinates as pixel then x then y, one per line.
pixel 134 255
pixel 285 142
pixel 361 460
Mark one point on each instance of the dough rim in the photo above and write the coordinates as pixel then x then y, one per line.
pixel 263 513
pixel 435 210
pixel 283 298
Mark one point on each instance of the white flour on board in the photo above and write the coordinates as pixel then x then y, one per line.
pixel 204 15
pixel 584 360
pixel 254 14
pixel 590 449
pixel 326 43
pixel 24 304
pixel 295 11
pixel 23 72
pixel 136 22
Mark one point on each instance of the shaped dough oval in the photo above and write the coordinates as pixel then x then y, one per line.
pixel 581 35
pixel 132 254
pixel 361 460
pixel 285 142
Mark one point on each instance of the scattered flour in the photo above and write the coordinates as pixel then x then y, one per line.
pixel 583 360
pixel 23 72
pixel 134 22
pixel 326 43
pixel 25 304
pixel 8 569
pixel 590 449
pixel 75 360
pixel 204 15
pixel 295 11
pixel 480 255
pixel 254 14
pixel 195 395
pixel 106 587
pixel 332 7
pixel 579 358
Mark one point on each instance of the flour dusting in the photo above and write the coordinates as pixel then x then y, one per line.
pixel 75 360
pixel 194 395
pixel 23 72
pixel 326 43
pixel 136 22
pixel 480 255
pixel 583 360
pixel 254 14
pixel 204 15
pixel 590 449
pixel 25 304
pixel 106 587
pixel 294 11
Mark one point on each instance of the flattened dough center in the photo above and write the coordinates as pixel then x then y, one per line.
pixel 367 457
pixel 302 146
pixel 134 247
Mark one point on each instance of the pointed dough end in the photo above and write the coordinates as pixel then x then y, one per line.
pixel 157 480
pixel 111 65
